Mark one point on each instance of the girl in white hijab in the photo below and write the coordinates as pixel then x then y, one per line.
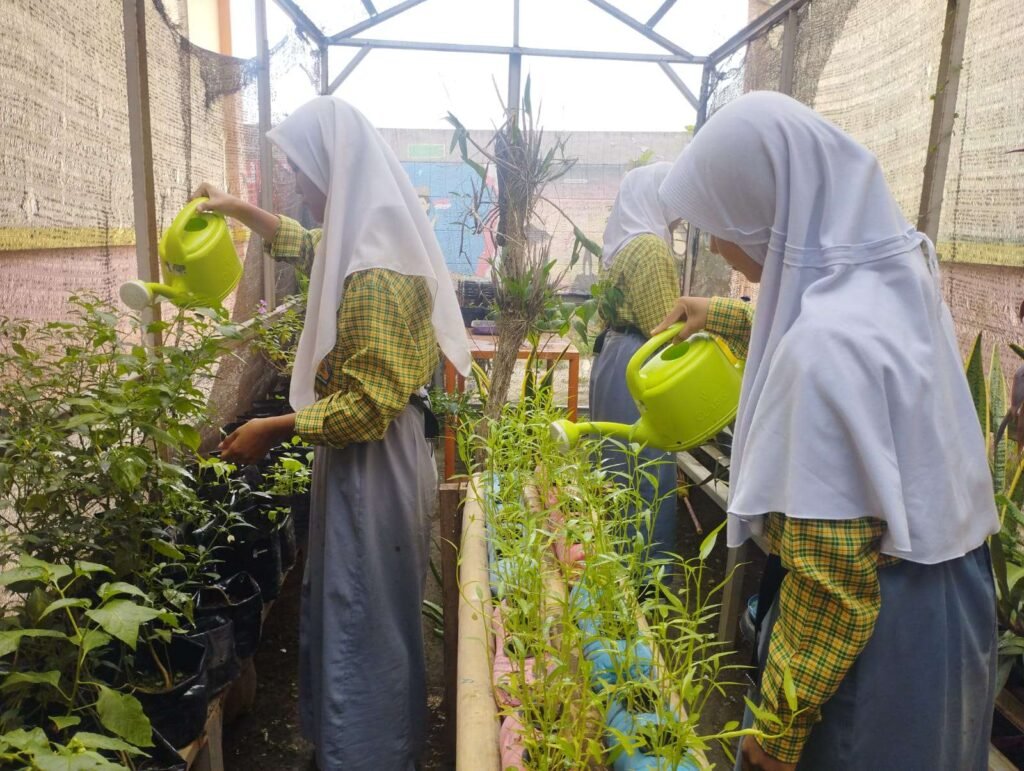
pixel 857 452
pixel 641 269
pixel 380 303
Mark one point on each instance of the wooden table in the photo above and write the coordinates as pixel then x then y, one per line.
pixel 552 349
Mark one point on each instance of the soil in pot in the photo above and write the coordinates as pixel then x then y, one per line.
pixel 239 599
pixel 178 712
pixel 216 632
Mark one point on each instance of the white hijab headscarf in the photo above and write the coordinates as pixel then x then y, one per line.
pixel 637 210
pixel 854 400
pixel 373 219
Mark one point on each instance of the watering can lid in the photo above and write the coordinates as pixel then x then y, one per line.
pixel 191 231
pixel 686 356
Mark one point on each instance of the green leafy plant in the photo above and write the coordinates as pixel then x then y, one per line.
pixel 95 431
pixel 57 704
pixel 276 336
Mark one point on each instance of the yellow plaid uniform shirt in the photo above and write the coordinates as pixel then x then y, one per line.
pixel 385 350
pixel 644 271
pixel 829 600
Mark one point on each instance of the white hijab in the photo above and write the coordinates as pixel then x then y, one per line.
pixel 854 399
pixel 637 210
pixel 373 219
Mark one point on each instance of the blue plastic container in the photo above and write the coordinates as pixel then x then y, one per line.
pixel 608 658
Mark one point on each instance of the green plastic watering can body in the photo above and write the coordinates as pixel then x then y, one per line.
pixel 686 394
pixel 198 260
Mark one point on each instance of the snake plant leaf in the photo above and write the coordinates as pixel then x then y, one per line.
pixel 975 370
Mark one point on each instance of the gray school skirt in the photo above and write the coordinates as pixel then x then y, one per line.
pixel 920 695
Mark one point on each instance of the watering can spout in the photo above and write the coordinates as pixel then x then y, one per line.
pixel 140 294
pixel 685 393
pixel 568 434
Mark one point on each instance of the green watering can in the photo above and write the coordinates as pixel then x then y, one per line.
pixel 686 394
pixel 198 261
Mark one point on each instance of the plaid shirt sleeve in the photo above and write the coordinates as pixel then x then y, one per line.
pixel 828 605
pixel 294 244
pixel 386 350
pixel 731 320
pixel 645 271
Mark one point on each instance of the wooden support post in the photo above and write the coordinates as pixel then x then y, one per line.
pixel 324 61
pixel 266 154
pixel 144 198
pixel 947 87
pixel 451 495
pixel 788 53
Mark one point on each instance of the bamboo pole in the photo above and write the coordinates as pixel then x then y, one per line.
pixel 476 740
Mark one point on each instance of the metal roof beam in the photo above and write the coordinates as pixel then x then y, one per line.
pixel 758 26
pixel 678 83
pixel 373 21
pixel 301 21
pixel 660 13
pixel 361 54
pixel 558 53
pixel 644 30
pixel 368 5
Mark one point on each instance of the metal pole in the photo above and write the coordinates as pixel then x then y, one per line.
pixel 324 61
pixel 147 260
pixel 756 28
pixel 786 71
pixel 266 154
pixel 361 54
pixel 301 21
pixel 693 246
pixel 407 45
pixel 660 13
pixel 678 83
pixel 515 65
pixel 643 29
pixel 373 21
pixel 947 87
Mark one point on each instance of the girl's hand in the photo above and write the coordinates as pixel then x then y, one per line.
pixel 219 201
pixel 251 443
pixel 692 310
pixel 756 759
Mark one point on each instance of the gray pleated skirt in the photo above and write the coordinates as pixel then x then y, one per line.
pixel 362 680
pixel 610 400
pixel 920 695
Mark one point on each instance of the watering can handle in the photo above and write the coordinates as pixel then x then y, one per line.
pixel 645 352
pixel 176 229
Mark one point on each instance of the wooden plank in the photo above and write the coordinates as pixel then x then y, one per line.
pixel 476 742
pixel 266 156
pixel 716 489
pixel 954 37
pixel 147 260
pixel 450 514
pixel 997 761
pixel 1011 708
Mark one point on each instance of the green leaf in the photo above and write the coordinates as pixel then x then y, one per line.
pixel 1017 349
pixel 67 602
pixel 16 575
pixel 84 419
pixel 975 370
pixel 28 741
pixel 187 435
pixel 121 714
pixel 65 722
pixel 116 588
pixel 92 639
pixel 997 397
pixel 122 619
pixel 83 567
pixel 93 741
pixel 165 549
pixel 708 544
pixel 789 688
pixel 51 678
pixel 10 639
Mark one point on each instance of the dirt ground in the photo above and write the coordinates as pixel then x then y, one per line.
pixel 267 739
